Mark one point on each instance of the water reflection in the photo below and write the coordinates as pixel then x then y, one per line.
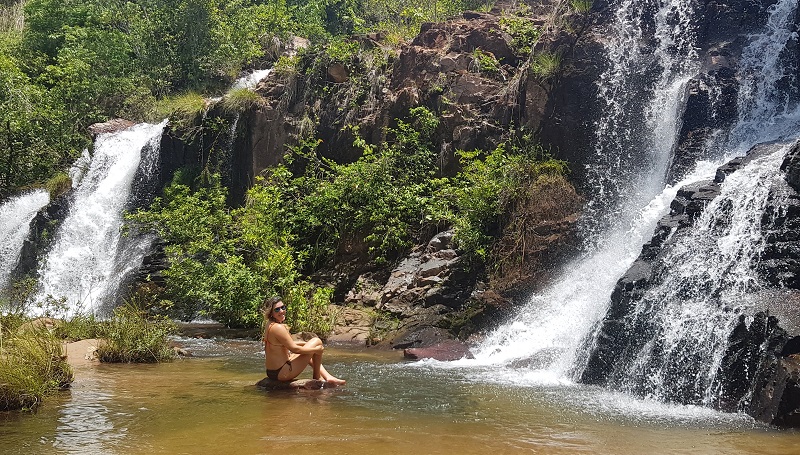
pixel 86 426
pixel 208 404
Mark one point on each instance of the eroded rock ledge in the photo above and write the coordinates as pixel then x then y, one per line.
pixel 759 373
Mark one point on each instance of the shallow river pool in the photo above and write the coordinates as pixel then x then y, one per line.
pixel 208 404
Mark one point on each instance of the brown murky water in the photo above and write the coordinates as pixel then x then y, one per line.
pixel 208 405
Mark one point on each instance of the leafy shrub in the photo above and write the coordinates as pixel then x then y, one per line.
pixel 31 366
pixel 131 336
pixel 286 66
pixel 383 200
pixel 309 309
pixel 523 31
pixel 485 62
pixel 488 187
pixel 223 263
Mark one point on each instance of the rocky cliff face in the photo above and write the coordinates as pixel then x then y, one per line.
pixel 478 104
pixel 757 373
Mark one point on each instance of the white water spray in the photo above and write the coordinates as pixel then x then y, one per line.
pixel 707 276
pixel 549 331
pixel 545 341
pixel 250 81
pixel 85 265
pixel 15 218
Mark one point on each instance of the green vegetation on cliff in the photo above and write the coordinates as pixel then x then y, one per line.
pixel 310 211
pixel 65 64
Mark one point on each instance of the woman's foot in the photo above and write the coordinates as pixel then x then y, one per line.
pixel 336 381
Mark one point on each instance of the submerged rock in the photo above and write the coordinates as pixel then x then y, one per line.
pixel 297 384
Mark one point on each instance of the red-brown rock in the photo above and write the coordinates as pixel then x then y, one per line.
pixel 445 351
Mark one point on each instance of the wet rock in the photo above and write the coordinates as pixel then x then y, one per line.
pixel 756 374
pixel 445 351
pixel 791 167
pixel 42 231
pixel 777 401
pixel 298 384
pixel 111 126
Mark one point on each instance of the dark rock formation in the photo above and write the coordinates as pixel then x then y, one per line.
pixel 777 400
pixel 710 105
pixel 755 374
pixel 42 231
pixel 711 97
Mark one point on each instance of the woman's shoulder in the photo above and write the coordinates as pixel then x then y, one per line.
pixel 276 327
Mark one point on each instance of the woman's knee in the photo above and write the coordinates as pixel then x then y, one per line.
pixel 314 342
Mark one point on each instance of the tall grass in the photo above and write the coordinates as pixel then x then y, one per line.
pixel 237 100
pixel 31 364
pixel 131 336
pixel 12 16
pixel 546 64
pixel 182 110
pixel 58 185
pixel 581 6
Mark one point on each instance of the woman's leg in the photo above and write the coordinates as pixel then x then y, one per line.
pixel 316 362
pixel 300 361
pixel 329 377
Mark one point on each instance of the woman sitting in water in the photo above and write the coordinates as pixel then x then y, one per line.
pixel 278 344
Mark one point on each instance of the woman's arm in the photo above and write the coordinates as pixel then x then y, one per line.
pixel 298 347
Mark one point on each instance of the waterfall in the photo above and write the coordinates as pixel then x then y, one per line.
pixel 687 317
pixel 684 319
pixel 651 58
pixel 15 217
pixel 89 259
pixel 640 83
pixel 250 81
pixel 766 107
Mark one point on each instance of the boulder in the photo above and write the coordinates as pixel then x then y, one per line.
pixel 111 126
pixel 777 402
pixel 338 73
pixel 445 351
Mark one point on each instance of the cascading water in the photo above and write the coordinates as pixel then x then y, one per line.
pixel 651 57
pixel 767 100
pixel 687 317
pixel 250 81
pixel 87 262
pixel 684 319
pixel 551 328
pixel 15 217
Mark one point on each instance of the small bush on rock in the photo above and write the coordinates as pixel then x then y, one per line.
pixel 131 336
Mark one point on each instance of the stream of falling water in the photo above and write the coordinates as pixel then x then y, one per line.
pixel 86 264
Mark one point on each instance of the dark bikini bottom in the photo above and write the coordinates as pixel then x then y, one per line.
pixel 273 374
